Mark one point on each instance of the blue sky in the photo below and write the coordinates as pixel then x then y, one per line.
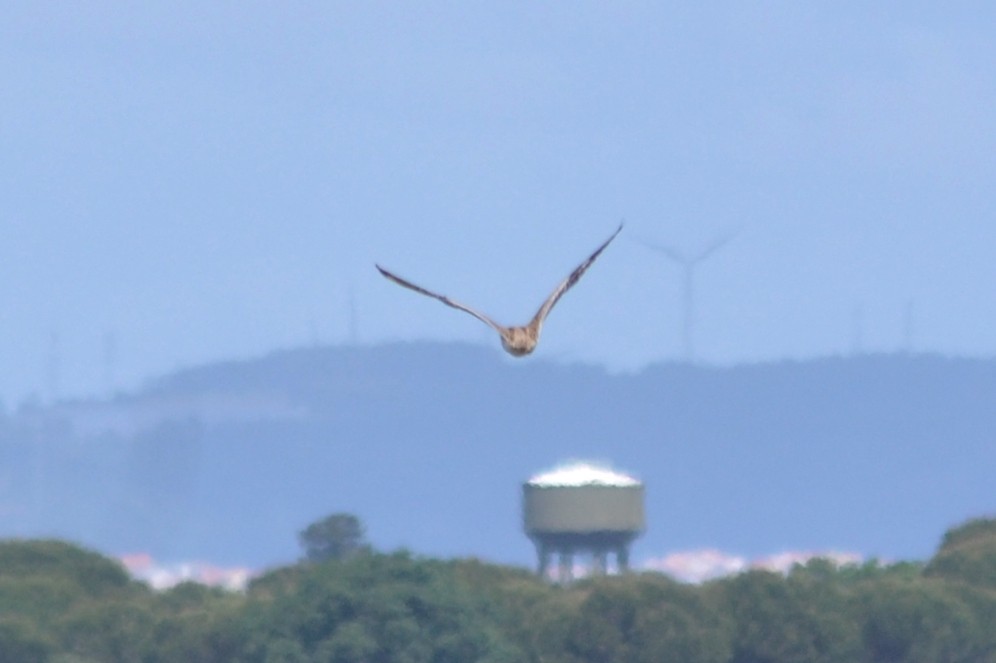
pixel 186 182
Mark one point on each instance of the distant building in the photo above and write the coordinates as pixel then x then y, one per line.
pixel 582 508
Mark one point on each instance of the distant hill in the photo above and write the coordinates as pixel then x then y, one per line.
pixel 429 443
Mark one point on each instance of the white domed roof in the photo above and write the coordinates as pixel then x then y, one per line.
pixel 581 473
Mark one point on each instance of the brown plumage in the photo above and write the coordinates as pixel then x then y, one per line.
pixel 517 341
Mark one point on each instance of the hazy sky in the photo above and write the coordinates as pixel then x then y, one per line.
pixel 190 181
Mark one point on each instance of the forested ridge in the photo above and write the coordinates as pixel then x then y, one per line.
pixel 66 604
pixel 809 454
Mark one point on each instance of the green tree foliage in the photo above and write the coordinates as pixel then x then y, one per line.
pixel 73 605
pixel 531 613
pixel 921 621
pixel 337 536
pixel 968 553
pixel 20 641
pixel 647 618
pixel 191 622
pixel 799 618
pixel 91 572
pixel 375 607
pixel 108 631
pixel 64 604
pixel 41 580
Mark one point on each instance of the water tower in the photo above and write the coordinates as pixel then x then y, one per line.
pixel 582 508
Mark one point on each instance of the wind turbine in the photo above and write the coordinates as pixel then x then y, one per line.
pixel 688 263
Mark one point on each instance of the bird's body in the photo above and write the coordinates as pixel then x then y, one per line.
pixel 520 341
pixel 517 341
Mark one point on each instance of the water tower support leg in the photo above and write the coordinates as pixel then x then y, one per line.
pixel 600 562
pixel 566 567
pixel 544 559
pixel 622 559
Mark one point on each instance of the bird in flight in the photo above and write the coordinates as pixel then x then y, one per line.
pixel 517 341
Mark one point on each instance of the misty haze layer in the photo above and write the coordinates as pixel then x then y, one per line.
pixel 429 445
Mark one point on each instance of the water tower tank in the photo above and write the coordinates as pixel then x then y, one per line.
pixel 582 507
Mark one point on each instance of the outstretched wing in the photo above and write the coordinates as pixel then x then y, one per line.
pixel 444 299
pixel 567 283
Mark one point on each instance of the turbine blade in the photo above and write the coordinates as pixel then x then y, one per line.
pixel 668 252
pixel 715 245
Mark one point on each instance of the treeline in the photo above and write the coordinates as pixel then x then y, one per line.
pixel 63 604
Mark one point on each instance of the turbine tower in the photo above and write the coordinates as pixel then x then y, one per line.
pixel 688 263
pixel 109 357
pixel 909 321
pixel 53 367
pixel 354 332
pixel 858 330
